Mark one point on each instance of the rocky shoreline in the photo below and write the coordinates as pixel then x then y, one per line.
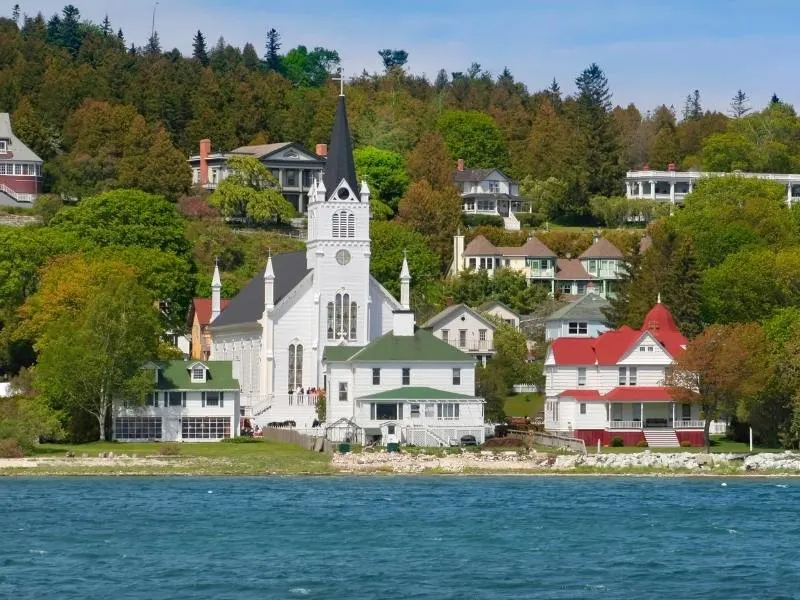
pixel 543 463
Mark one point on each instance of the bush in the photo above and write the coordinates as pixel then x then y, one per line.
pixel 616 442
pixel 10 449
pixel 686 444
pixel 641 444
pixel 242 440
pixel 529 219
pixel 478 220
pixel 170 449
pixel 506 442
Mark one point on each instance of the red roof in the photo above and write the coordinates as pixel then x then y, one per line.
pixel 610 347
pixel 623 394
pixel 202 308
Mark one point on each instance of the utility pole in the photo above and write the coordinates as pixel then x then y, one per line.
pixel 153 25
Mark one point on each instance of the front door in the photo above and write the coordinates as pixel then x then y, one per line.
pixel 616 412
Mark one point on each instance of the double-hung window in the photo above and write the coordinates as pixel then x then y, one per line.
pixel 632 375
pixel 406 376
pixel 623 376
pixel 212 398
pixel 456 376
pixel 376 376
pixel 342 391
pixel 581 376
pixel 175 399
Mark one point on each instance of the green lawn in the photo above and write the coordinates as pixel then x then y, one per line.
pixel 524 405
pixel 256 458
pixel 719 444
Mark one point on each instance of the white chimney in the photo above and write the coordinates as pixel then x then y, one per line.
pixel 403 323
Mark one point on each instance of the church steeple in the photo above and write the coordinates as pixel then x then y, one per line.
pixel 340 164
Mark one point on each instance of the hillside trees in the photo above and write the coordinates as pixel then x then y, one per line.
pixel 384 172
pixel 474 137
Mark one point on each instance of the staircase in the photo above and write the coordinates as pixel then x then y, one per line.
pixel 661 438
pixel 511 223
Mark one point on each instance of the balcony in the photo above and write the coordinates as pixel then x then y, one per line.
pixel 472 345
pixel 667 423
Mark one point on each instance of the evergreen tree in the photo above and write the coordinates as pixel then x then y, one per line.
pixel 120 35
pixel 132 50
pixel 739 105
pixel 774 99
pixel 692 111
pixel 603 169
pixel 15 14
pixel 54 30
pixel 271 56
pixel 681 292
pixel 153 45
pixel 105 28
pixel 442 80
pixel 393 58
pixel 70 36
pixel 250 57
pixel 199 52
pixel 554 92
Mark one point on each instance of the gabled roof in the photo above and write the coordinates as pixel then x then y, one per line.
pixel 16 150
pixel 471 175
pixel 417 393
pixel 339 353
pixel 422 346
pixel 480 245
pixel 489 305
pixel 571 269
pixel 602 248
pixel 201 307
pixel 611 346
pixel 261 150
pixel 248 305
pixel 452 310
pixel 340 164
pixel 176 375
pixel 531 248
pixel 587 308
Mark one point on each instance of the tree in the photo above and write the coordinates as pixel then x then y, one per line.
pixel 272 57
pixel 199 52
pixel 69 32
pixel 15 14
pixel 251 191
pixel 739 105
pixel 547 197
pixel 692 111
pixel 384 172
pixel 436 214
pixel 24 419
pixel 168 174
pixel 507 367
pixel 106 28
pixel 430 161
pixel 393 59
pixel 719 369
pixel 474 137
pixel 310 69
pixel 550 146
pixel 554 91
pixel 391 241
pixel 250 57
pixel 115 331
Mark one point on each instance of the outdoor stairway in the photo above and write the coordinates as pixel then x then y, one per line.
pixel 661 438
pixel 511 223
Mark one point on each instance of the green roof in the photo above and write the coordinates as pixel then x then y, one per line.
pixel 176 375
pixel 422 346
pixel 339 353
pixel 416 393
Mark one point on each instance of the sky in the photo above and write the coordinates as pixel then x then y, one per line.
pixel 652 52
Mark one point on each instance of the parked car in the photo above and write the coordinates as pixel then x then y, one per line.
pixel 468 440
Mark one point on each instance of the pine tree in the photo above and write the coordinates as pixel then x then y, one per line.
pixel 199 52
pixel 681 292
pixel 70 29
pixel 273 46
pixel 774 99
pixel 120 35
pixel 616 313
pixel 15 14
pixel 132 50
pixel 442 80
pixel 692 111
pixel 153 45
pixel 555 94
pixel 105 28
pixel 250 57
pixel 739 105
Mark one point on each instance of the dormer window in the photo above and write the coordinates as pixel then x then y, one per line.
pixel 198 374
pixel 3 146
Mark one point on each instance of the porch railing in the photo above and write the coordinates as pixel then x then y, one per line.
pixel 625 424
pixel 677 424
pixel 688 424
pixel 471 345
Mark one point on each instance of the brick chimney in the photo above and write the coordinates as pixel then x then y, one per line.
pixel 460 164
pixel 646 168
pixel 321 150
pixel 205 150
pixel 671 166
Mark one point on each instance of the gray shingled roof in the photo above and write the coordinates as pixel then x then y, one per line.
pixel 248 305
pixel 588 308
pixel 471 175
pixel 451 310
pixel 261 149
pixel 17 151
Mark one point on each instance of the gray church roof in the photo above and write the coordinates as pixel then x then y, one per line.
pixel 17 151
pixel 589 308
pixel 248 305
pixel 340 164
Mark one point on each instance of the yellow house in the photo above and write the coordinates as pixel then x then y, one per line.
pixel 197 322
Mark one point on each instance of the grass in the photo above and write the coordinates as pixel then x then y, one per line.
pixel 257 458
pixel 719 445
pixel 524 405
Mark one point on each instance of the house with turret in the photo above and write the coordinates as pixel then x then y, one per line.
pixel 20 168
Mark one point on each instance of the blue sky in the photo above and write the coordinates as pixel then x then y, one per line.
pixel 652 52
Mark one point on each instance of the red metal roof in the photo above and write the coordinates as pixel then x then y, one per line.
pixel 631 393
pixel 583 394
pixel 202 308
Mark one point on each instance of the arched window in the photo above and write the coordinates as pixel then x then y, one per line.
pixel 342 321
pixel 295 366
pixel 343 224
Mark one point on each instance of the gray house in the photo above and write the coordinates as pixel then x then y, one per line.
pixel 582 318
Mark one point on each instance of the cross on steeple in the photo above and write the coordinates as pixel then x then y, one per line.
pixel 340 79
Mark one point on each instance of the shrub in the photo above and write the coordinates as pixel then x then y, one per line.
pixel 529 219
pixel 641 444
pixel 506 442
pixel 170 449
pixel 686 444
pixel 617 442
pixel 10 449
pixel 242 440
pixel 478 220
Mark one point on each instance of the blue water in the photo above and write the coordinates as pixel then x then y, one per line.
pixel 394 537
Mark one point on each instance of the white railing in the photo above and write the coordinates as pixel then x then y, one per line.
pixel 420 436
pixel 471 345
pixel 525 388
pixel 16 195
pixel 688 424
pixel 542 273
pixel 625 425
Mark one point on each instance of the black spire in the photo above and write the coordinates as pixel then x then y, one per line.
pixel 340 164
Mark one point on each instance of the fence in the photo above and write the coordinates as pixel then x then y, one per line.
pixel 551 441
pixel 524 388
pixel 317 443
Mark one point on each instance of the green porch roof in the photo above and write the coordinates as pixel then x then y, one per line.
pixel 339 353
pixel 422 346
pixel 176 375
pixel 416 393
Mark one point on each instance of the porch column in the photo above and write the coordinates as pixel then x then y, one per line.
pixel 640 189
pixel 672 192
pixel 691 185
pixel 652 190
pixel 628 189
pixel 673 415
pixel 300 196
pixel 641 412
pixel 789 195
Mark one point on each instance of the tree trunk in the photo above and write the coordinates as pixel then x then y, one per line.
pixel 101 420
pixel 707 435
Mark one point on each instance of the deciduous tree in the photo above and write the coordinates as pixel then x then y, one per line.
pixel 430 161
pixel 436 214
pixel 384 172
pixel 474 137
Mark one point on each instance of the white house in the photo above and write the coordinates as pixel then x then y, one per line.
pixel 582 318
pixel 614 386
pixel 498 310
pixel 465 329
pixel 191 401
pixel 406 386
pixel 489 192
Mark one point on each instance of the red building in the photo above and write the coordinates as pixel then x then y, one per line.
pixel 20 168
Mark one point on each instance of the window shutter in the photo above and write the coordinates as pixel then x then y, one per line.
pixel 203 398
pixel 400 411
pixel 221 399
pixel 183 399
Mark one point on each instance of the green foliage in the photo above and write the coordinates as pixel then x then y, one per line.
pixel 171 449
pixel 547 196
pixel 475 137
pixel 390 240
pixel 618 211
pixel 482 220
pixel 384 172
pixel 617 442
pixel 309 69
pixel 250 191
pixel 24 419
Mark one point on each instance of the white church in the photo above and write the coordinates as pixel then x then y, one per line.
pixel 317 320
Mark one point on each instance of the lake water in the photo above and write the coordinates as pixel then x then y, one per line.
pixel 395 537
